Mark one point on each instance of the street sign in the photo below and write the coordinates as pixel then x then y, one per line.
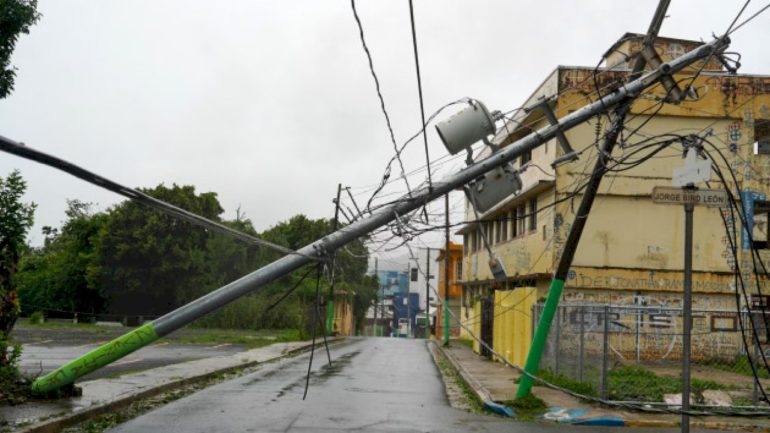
pixel 697 197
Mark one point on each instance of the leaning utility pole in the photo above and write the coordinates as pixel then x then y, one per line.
pixel 323 248
pixel 446 270
pixel 581 217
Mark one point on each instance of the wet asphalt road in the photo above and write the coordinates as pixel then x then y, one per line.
pixel 374 385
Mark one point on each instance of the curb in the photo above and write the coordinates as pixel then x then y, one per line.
pixel 480 391
pixel 58 423
pixel 651 423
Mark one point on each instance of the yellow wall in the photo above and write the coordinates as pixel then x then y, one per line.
pixel 512 334
pixel 473 312
pixel 627 231
pixel 343 317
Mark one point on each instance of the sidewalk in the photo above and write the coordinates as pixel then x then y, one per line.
pixel 104 395
pixel 494 381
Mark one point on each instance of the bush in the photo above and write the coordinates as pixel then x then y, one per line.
pixel 639 384
pixel 739 365
pixel 37 318
pixel 13 388
pixel 559 379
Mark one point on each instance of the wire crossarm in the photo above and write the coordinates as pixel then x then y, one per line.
pixel 323 247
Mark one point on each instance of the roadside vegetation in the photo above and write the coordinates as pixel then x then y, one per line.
pixel 528 408
pixel 559 379
pixel 637 383
pixel 459 393
pixel 739 365
pixel 633 383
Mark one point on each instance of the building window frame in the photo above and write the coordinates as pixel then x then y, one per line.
pixel 458 270
pixel 532 204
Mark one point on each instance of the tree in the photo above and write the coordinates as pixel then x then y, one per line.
pixel 16 218
pixel 16 17
pixel 54 277
pixel 149 261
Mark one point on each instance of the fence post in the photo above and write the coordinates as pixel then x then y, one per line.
pixel 606 352
pixel 638 341
pixel 558 340
pixel 582 343
pixel 755 391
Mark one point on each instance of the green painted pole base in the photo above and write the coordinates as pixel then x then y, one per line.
pixel 541 335
pixel 446 322
pixel 96 359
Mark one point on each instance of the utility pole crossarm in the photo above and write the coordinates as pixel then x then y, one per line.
pixel 325 246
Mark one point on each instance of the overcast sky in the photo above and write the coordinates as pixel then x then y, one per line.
pixel 271 103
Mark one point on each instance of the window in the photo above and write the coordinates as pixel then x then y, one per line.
pixel 522 220
pixel 533 214
pixel 525 158
pixel 498 231
pixel 762 137
pixel 459 270
pixel 504 227
pixel 514 227
pixel 760 233
pixel 474 241
pixel 466 245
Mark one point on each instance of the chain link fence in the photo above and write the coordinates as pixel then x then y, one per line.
pixel 634 353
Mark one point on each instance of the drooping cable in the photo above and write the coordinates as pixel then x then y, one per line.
pixel 289 292
pixel 419 90
pixel 319 268
pixel 379 95
pixel 24 151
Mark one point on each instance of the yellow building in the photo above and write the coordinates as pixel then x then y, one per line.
pixel 631 252
pixel 342 323
pixel 455 289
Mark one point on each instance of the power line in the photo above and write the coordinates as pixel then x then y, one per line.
pixel 24 151
pixel 379 94
pixel 419 89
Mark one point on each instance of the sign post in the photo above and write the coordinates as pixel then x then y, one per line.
pixel 690 197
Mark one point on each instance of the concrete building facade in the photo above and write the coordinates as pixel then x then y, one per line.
pixel 631 252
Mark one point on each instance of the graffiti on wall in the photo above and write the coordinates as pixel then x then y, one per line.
pixel 652 281
pixel 585 82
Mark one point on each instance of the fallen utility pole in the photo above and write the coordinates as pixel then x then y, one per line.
pixel 565 261
pixel 324 247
